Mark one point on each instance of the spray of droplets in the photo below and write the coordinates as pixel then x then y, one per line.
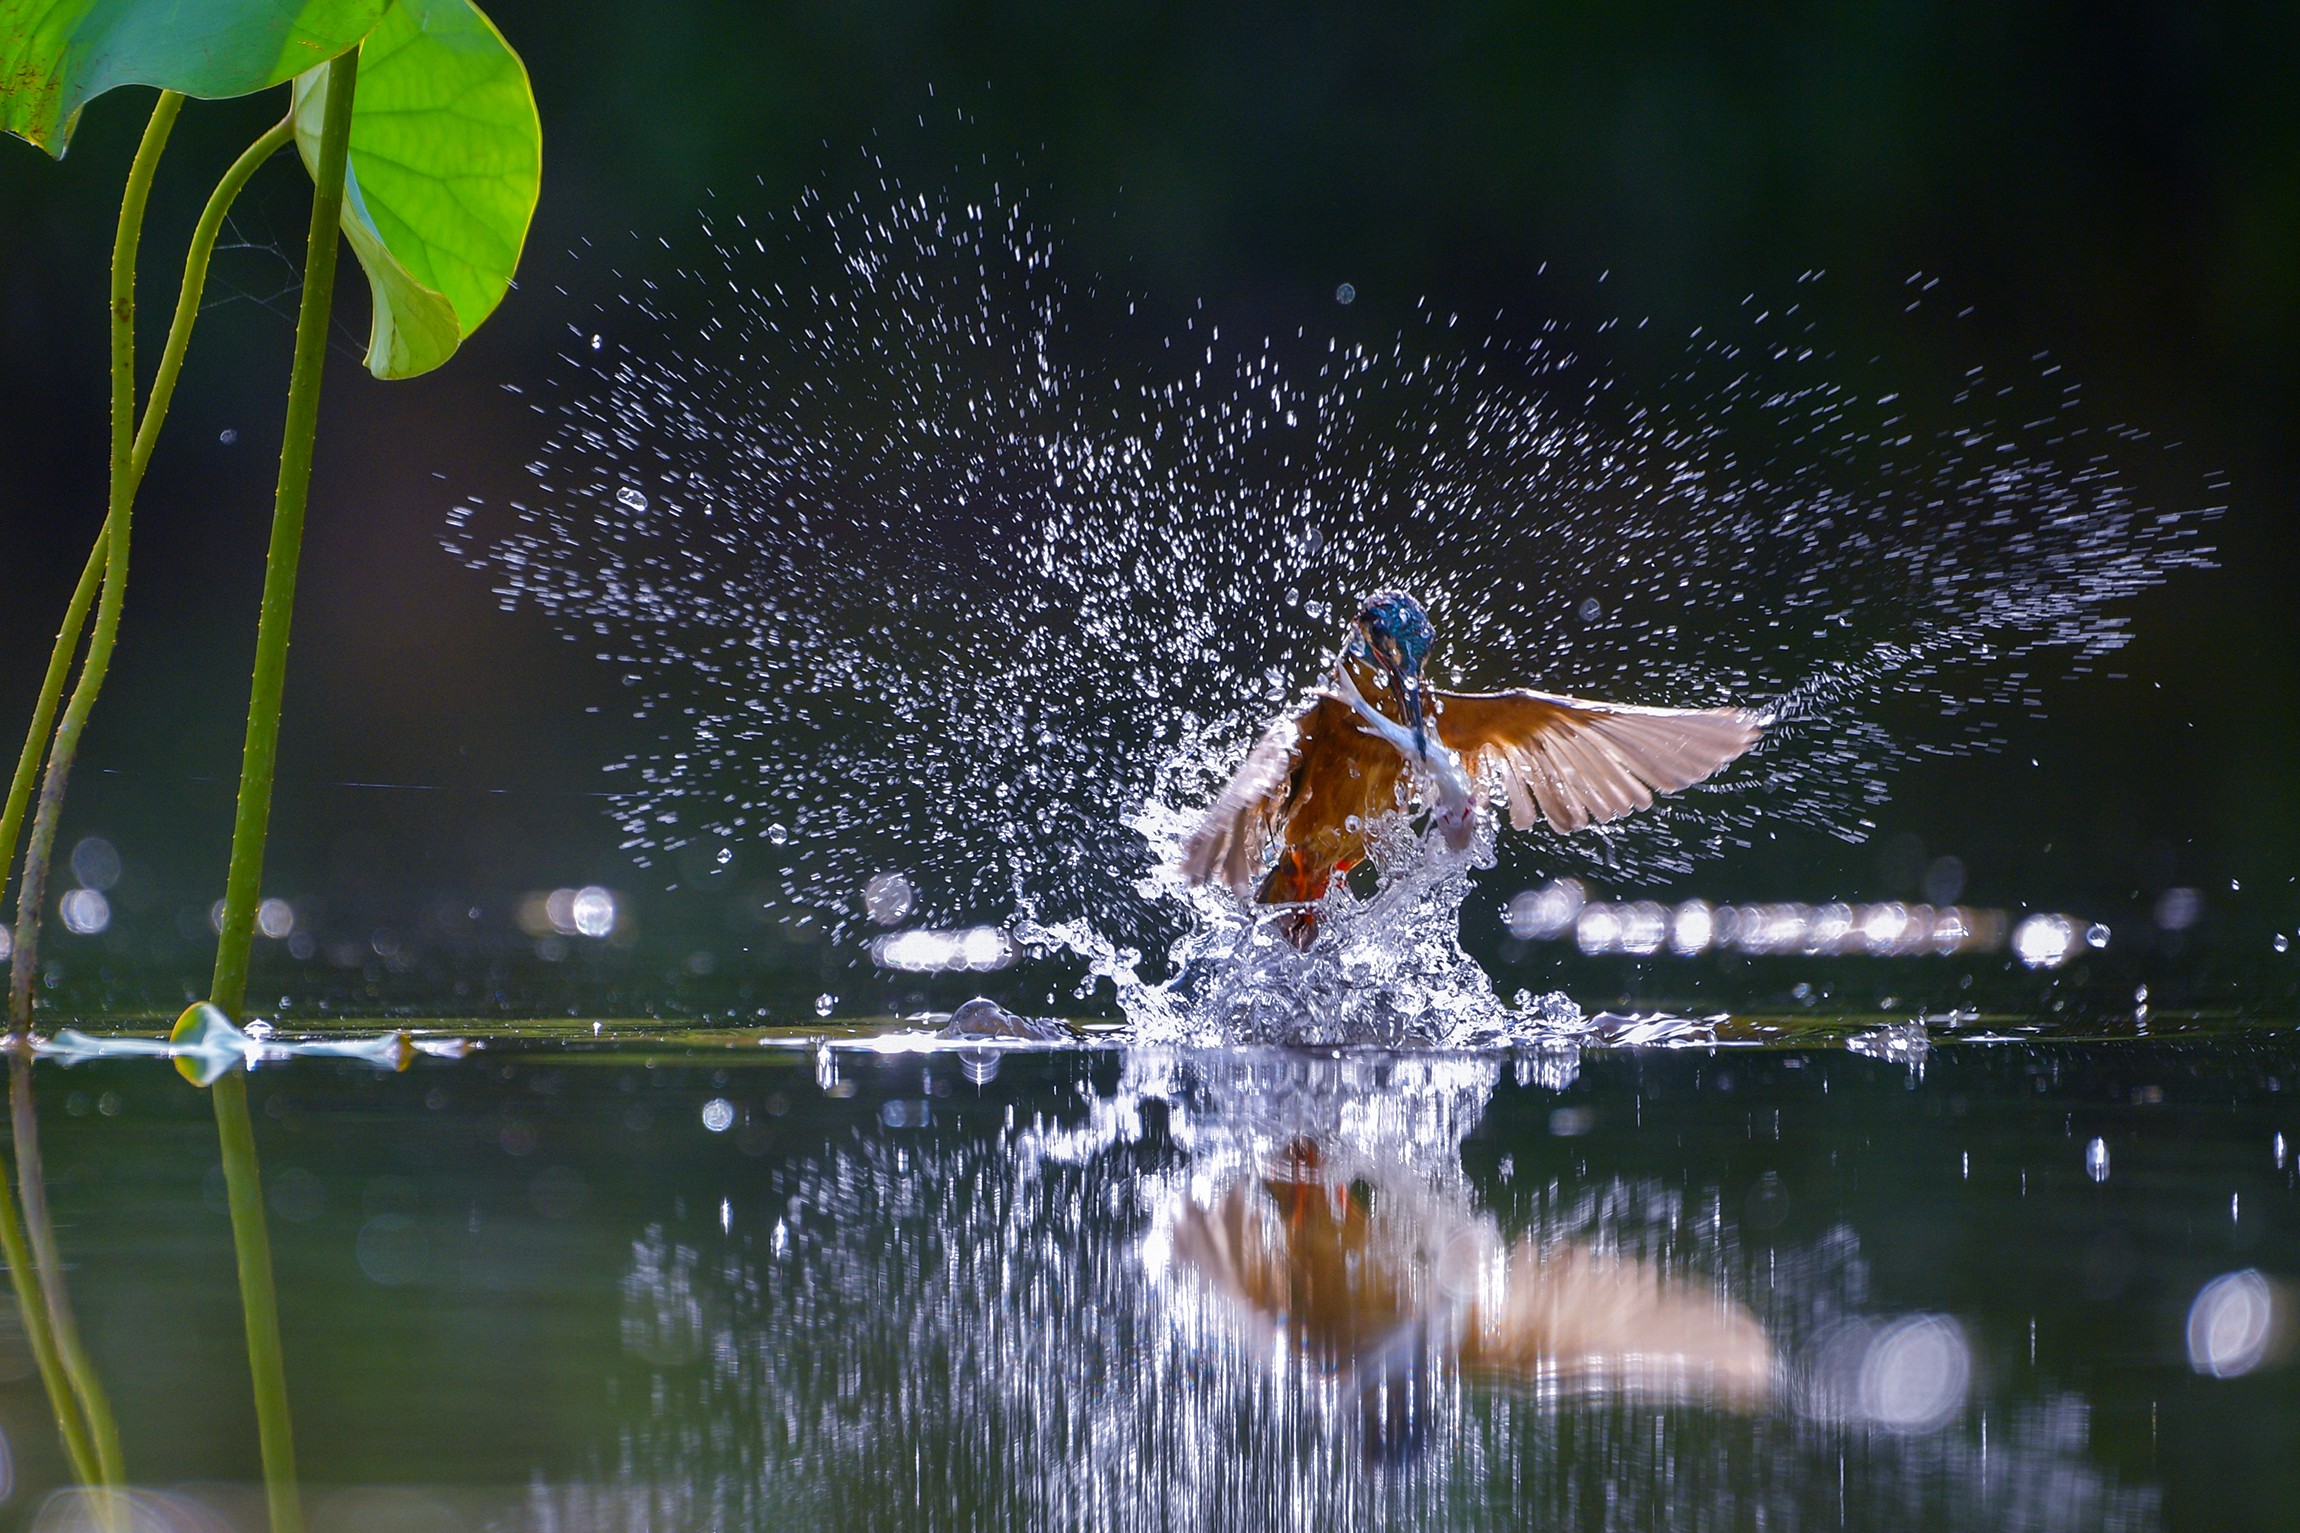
pixel 1059 1361
pixel 920 557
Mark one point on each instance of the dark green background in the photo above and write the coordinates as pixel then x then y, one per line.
pixel 2118 184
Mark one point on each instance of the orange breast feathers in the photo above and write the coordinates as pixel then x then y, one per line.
pixel 1314 781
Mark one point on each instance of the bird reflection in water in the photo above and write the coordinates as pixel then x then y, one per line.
pixel 1259 1288
pixel 1379 1282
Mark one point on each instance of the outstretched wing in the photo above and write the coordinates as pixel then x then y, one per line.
pixel 1584 763
pixel 1305 778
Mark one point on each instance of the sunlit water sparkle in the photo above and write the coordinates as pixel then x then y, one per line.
pixel 920 557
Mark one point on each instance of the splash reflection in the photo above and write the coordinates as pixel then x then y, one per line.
pixel 1258 1289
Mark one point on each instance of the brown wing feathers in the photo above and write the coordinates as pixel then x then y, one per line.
pixel 1309 774
pixel 1575 763
pixel 1584 763
pixel 1228 845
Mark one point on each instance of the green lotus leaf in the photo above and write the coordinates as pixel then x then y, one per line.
pixel 57 55
pixel 446 163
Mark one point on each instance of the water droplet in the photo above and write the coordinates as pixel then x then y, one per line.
pixel 2281 943
pixel 824 1003
pixel 887 898
pixel 1347 293
pixel 737 687
pixel 779 834
pixel 227 436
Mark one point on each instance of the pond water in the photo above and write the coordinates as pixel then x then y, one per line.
pixel 732 1280
pixel 928 594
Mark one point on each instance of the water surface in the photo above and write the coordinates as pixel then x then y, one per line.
pixel 647 1283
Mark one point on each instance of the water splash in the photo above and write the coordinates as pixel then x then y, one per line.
pixel 1056 1365
pixel 920 557
pixel 1388 969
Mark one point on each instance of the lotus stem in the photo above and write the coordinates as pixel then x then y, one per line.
pixel 35 1268
pixel 41 1340
pixel 155 415
pixel 103 1434
pixel 44 711
pixel 33 888
pixel 260 755
pixel 259 1300
pixel 251 1241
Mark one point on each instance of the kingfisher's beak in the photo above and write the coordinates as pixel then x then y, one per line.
pixel 1391 658
pixel 1411 687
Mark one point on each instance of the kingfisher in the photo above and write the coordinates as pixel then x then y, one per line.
pixel 1316 782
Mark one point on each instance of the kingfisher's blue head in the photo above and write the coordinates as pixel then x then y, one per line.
pixel 1394 633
